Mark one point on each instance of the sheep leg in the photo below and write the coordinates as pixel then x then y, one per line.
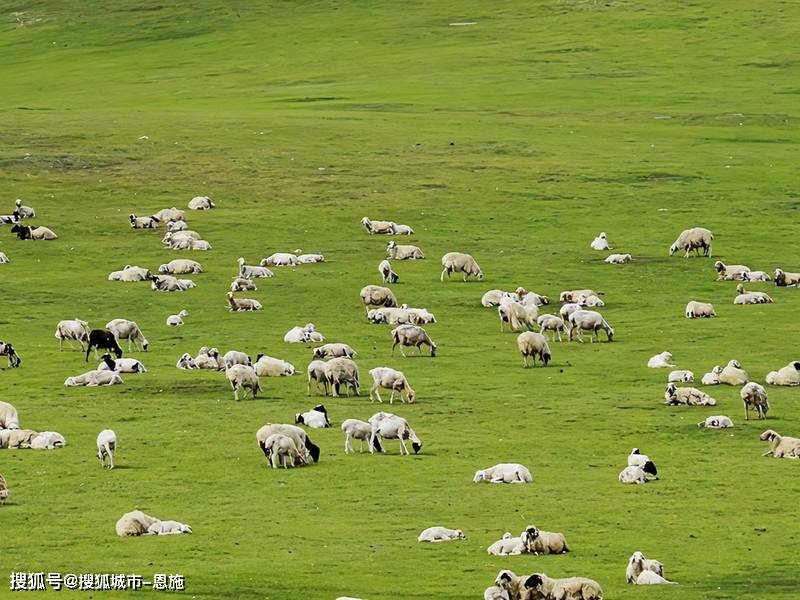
pixel 347 446
pixel 403 449
pixel 441 277
pixel 61 344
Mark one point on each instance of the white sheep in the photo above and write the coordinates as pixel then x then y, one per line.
pixel 94 379
pixel 9 419
pixel 242 377
pixel 123 329
pixel 208 359
pixel 453 262
pixel 400 229
pixel 376 295
pixel 756 276
pixel 252 271
pixel 390 379
pixel 171 237
pixel 712 378
pixel 730 272
pixel 745 297
pixel 3 489
pixel 4 258
pixel 168 528
pixel 170 214
pixel 419 315
pixel 600 242
pixel 409 336
pixel 380 227
pixel 235 357
pixel 570 588
pixel 242 284
pixel 403 252
pixel 568 296
pixel 697 310
pixel 788 375
pixel 130 274
pixel 134 523
pixel 179 225
pixel 24 232
pixel 716 422
pixel 298 335
pixel 781 446
pixel 356 430
pixel 190 244
pixel 518 316
pixel 660 361
pixel 72 329
pixel 106 446
pixel 733 374
pixel 507 545
pixel 317 418
pixel 690 396
pixel 553 324
pixel 637 459
pixel 531 345
pixel 784 278
pixel 693 239
pixel 334 350
pixel 47 440
pixel 680 376
pixel 279 446
pixel 168 283
pixel 201 203
pixel 267 366
pixel 386 426
pixel 186 362
pixel 242 304
pixel 589 320
pixel 567 309
pixel 494 297
pixel 342 371
pixel 618 259
pixel 309 259
pixel 754 397
pixel 279 259
pixel 632 474
pixel 305 447
pixel 440 534
pixel 24 212
pixel 504 473
pixel 177 320
pixel 181 266
pixel 388 274
pixel 637 563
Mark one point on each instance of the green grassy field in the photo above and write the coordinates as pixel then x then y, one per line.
pixel 515 139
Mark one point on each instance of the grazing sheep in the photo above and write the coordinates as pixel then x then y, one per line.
pixel 279 446
pixel 201 203
pixel 177 320
pixel 186 362
pixel 390 379
pixel 756 276
pixel 252 271
pixel 618 259
pixel 168 528
pixel 4 258
pixel 24 232
pixel 380 227
pixel 121 365
pixel 697 310
pixel 730 272
pixel 22 211
pixel 716 422
pixel 94 379
pixel 600 242
pixel 300 438
pixel 386 426
pixel 333 351
pixel 357 430
pixel 242 304
pixel 508 545
pixel 531 345
pixel 130 274
pixel 410 336
pixel 105 339
pixel 637 563
pixel 712 378
pixel 754 397
pixel 632 474
pixel 571 588
pixel 375 295
pixel 453 262
pixel 242 377
pixel 9 419
pixel 181 266
pixel 504 473
pixel 589 320
pixel 440 534
pixel 745 297
pixel 170 214
pixel 123 329
pixel 267 366
pixel 495 297
pixel 3 489
pixel 8 351
pixel 693 239
pixel 387 273
pixel 782 278
pixel 400 229
pixel 780 446
pixel 134 523
pixel 788 375
pixel 660 361
pixel 690 396
pixel 241 284
pixel 279 259
pixel 539 542
pixel 733 374
pixel 73 329
pixel 680 377
pixel 569 296
pixel 142 222
pixel 106 446
pixel 637 459
pixel 340 371
pixel 552 323
pixel 208 359
pixel 403 252
pixel 518 316
pixel 316 373
pixel 317 418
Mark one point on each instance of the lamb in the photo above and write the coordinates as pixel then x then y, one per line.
pixel 733 374
pixel 618 259
pixel 637 564
pixel 531 345
pixel 3 489
pixel 375 295
pixel 181 266
pixel 403 252
pixel 754 397
pixel 504 473
pixel 134 523
pixel 279 259
pixel 8 351
pixel 632 474
pixel 74 329
pixel 573 295
pixel 712 378
pixel 681 376
pixel 130 274
pixel 730 272
pixel 440 534
pixel 267 366
pixel 687 395
pixel 453 262
pixel 571 588
pixel 201 203
pixel 756 276
pixel 788 375
pixel 242 377
pixel 242 304
pixel 567 309
pixel 637 459
pixel 340 371
pixel 123 329
pixel 17 438
pixel 590 300
pixel 380 227
pixel 179 225
pixel 410 336
pixel 781 446
pixel 9 419
pixel 168 283
pixel 539 542
pixel 47 440
pixel 235 357
pixel 186 362
pixel 745 297
pixel 317 418
pixel 316 373
pixel 552 323
pixel 600 242
pixel 494 297
pixel 142 222
pixel 309 259
pixel 22 211
pixel 168 528
pixel 518 316
pixel 386 426
pixel 782 278
pixel 173 237
pixel 252 271
pixel 697 310
pixel 170 214
pixel 390 379
pixel 190 244
pixel 693 239
pixel 241 284
pixel 94 379
pixel 400 229
pixel 388 274
pixel 298 334
pixel 716 422
pixel 208 359
pixel 513 586
pixel 357 430
pixel 121 365
pixel 589 320
pixel 508 545
pixel 419 315
pixel 392 315
pixel 177 320
pixel 279 446
pixel 650 578
pixel 25 232
pixel 4 258
pixel 301 440
pixel 106 446
pixel 494 592
pixel 660 361
pixel 334 350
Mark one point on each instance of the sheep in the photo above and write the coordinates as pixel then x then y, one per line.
pixel 637 459
pixel 104 339
pixel 756 276
pixel 317 418
pixel 697 310
pixel 123 329
pixel 400 229
pixel 600 242
pixel 279 259
pixel 410 336
pixel 8 351
pixel 589 320
pixel 590 300
pixel 201 203
pixel 94 379
pixel 179 225
pixel 4 258
pixel 47 440
pixel 780 446
pixel 712 378
pixel 403 252
pixel 340 371
pixel 168 528
pixel 388 274
pixel 17 438
pixel 241 284
pixel 650 578
pixel 380 227
pixel 716 422
pixel 316 372
pixel 300 438
pixel 660 361
pixel 134 523
pixel 386 426
pixel 788 375
pixel 512 585
pixel 9 219
pixel 9 419
pixel 170 214
pixel 357 430
pixel 392 316
pixel 252 271
pixel 567 309
pixel 186 362
pixel 121 365
pixel 754 396
pixel 168 283
pixel 130 274
pixel 173 237
pixel 568 296
pixel 25 232
pixel 637 563
pixel 22 211
pixel 730 272
pixel 298 334
pixel 453 262
pixel 782 278
pixel 106 446
pixel 267 366
pixel 242 304
pixel 235 357
pixel 693 239
pixel 531 345
pixel 177 320
pixel 552 323
pixel 518 316
pixel 142 222
pixel 745 297
pixel 208 359
pixel 681 376
pixel 243 377
pixel 390 379
pixel 181 266
pixel 571 588
pixel 279 446
pixel 494 297
pixel 74 329
pixel 419 315
pixel 539 542
pixel 334 350
pixel 508 545
pixel 3 489
pixel 687 395
pixel 494 592
pixel 504 473
pixel 632 474
pixel 618 259
pixel 733 374
pixel 190 244
pixel 440 534
pixel 375 295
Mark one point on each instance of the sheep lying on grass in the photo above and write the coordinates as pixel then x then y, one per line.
pixel 242 304
pixel 788 375
pixel 9 419
pixel 334 351
pixel 94 379
pixel 316 418
pixel 716 422
pixel 403 252
pixel 537 541
pixel 730 272
pixel 504 473
pixel 781 446
pixel 376 295
pixel 782 278
pixel 508 545
pixel 660 361
pixel 638 565
pixel 733 374
pixel 600 242
pixel 440 534
pixel 680 376
pixel 687 395
pixel 618 259
pixel 168 528
pixel 177 320
pixel 698 310
pixel 267 366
